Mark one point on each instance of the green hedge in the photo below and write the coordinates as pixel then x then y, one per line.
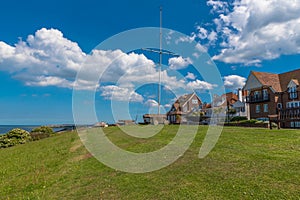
pixel 251 121
pixel 238 118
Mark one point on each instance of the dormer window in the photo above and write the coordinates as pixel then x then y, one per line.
pixel 292 89
pixel 293 92
pixel 265 94
pixel 256 95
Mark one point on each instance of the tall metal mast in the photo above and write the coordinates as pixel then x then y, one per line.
pixel 160 52
pixel 160 58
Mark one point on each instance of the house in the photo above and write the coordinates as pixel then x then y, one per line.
pixel 225 100
pixel 240 105
pixel 126 122
pixel 231 102
pixel 183 106
pixel 155 119
pixel 101 124
pixel 274 96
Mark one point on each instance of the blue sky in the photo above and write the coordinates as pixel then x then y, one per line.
pixel 44 43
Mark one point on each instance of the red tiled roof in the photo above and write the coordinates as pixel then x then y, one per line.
pixel 278 82
pixel 268 79
pixel 285 78
pixel 231 97
pixel 185 98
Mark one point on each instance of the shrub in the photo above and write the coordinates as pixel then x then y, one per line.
pixel 260 122
pixel 41 132
pixel 42 129
pixel 238 118
pixel 14 137
pixel 274 125
pixel 251 121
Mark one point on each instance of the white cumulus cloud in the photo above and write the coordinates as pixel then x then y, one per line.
pixel 202 33
pixel 201 85
pixel 254 31
pixel 234 82
pixel 190 76
pixel 47 58
pixel 176 63
pixel 113 92
pixel 218 6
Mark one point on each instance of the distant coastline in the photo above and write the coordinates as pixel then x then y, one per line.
pixel 6 128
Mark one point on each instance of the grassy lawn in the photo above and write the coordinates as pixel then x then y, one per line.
pixel 246 163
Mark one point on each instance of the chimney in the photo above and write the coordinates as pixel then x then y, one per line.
pixel 240 94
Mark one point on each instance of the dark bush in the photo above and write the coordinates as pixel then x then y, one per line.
pixel 41 132
pixel 14 137
pixel 42 129
pixel 238 118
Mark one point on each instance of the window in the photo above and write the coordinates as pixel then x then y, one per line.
pixel 293 104
pixel 265 94
pixel 243 109
pixel 293 92
pixel 295 124
pixel 256 95
pixel 194 101
pixel 257 108
pixel 266 108
pixel 279 105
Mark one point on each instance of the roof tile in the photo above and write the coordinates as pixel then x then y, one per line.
pixel 278 82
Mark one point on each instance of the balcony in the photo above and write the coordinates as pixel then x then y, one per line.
pixel 258 98
pixel 289 114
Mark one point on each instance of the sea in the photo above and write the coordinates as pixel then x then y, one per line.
pixel 6 128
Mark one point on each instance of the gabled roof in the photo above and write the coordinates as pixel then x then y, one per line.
pixel 228 98
pixel 293 83
pixel 185 98
pixel 285 78
pixel 268 79
pixel 279 82
pixel 231 96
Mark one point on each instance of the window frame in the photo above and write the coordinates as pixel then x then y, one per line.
pixel 265 94
pixel 293 92
pixel 257 109
pixel 266 107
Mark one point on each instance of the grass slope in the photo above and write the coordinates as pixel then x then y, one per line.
pixel 245 164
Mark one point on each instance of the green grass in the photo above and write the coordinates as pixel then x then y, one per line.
pixel 245 164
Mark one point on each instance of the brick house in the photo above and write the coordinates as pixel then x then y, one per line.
pixel 227 99
pixel 231 100
pixel 183 105
pixel 275 95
